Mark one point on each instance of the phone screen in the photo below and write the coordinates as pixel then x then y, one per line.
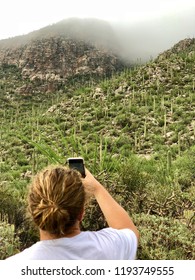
pixel 78 164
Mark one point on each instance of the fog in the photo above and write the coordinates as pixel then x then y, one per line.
pixel 145 40
pixel 134 41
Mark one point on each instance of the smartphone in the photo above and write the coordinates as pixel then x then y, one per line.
pixel 78 164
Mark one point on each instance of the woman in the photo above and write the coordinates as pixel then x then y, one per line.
pixel 56 202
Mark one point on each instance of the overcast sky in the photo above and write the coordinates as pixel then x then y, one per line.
pixel 19 17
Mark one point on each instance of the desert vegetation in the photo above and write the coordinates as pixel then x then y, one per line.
pixel 136 132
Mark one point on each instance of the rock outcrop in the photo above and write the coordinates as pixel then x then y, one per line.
pixel 56 60
pixel 70 49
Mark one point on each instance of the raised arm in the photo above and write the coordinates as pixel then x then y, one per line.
pixel 114 213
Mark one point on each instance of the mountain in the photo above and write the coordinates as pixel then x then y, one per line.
pixel 49 63
pixel 58 53
pixel 147 110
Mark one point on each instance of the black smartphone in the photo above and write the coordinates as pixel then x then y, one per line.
pixel 78 164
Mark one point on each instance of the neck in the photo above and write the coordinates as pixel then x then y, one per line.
pixel 73 231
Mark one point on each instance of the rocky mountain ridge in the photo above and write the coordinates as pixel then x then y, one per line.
pixel 70 49
pixel 53 61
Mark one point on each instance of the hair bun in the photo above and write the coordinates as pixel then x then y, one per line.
pixel 56 199
pixel 53 205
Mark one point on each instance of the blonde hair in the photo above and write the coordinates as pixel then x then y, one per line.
pixel 56 199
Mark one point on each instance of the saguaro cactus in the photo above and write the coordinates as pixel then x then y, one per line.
pixel 169 161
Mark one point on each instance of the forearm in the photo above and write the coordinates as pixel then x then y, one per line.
pixel 114 214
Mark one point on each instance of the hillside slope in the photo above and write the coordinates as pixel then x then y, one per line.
pixel 144 110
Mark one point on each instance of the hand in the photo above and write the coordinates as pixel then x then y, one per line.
pixel 90 183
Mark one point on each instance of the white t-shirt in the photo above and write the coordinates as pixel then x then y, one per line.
pixel 105 244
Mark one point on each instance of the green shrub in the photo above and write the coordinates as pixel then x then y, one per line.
pixel 133 174
pixel 9 243
pixel 185 169
pixel 13 211
pixel 163 238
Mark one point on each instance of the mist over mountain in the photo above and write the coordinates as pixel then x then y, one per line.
pixel 147 39
pixel 68 49
pixel 131 41
pixel 97 32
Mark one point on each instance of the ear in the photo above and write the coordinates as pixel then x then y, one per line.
pixel 81 215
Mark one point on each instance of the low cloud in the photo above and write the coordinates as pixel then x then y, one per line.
pixel 145 40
